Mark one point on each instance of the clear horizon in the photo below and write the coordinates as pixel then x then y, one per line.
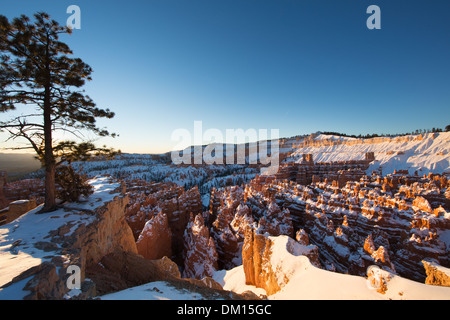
pixel 296 66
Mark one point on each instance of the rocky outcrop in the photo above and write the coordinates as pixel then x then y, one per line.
pixel 178 211
pixel 155 240
pixel 276 222
pixel 224 229
pixel 421 204
pixel 306 171
pixel 120 270
pixel 264 258
pixel 436 274
pixel 200 251
pixel 16 209
pixel 90 235
pixel 258 270
pixel 108 232
pixel 309 250
pixel 232 210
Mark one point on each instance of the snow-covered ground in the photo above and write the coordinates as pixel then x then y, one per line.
pixel 158 290
pixel 19 240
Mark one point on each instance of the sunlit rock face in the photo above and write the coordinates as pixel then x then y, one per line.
pixel 155 240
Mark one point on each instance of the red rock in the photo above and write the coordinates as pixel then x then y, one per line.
pixel 421 203
pixel 256 262
pixel 436 274
pixel 155 240
pixel 149 199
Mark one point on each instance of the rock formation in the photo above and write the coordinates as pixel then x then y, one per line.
pixel 307 172
pixel 258 270
pixel 154 242
pixel 232 211
pixel 120 270
pixel 147 201
pixel 16 209
pixel 394 222
pixel 276 221
pixel 262 265
pixel 97 233
pixel 436 274
pixel 200 251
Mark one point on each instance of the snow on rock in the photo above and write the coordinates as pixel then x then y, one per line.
pixel 339 220
pixel 200 251
pixel 298 279
pixel 40 247
pixel 423 153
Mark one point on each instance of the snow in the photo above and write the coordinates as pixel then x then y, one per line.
pixel 20 202
pixel 18 239
pixel 234 280
pixel 15 291
pixel 333 137
pixel 159 290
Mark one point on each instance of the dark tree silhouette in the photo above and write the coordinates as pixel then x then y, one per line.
pixel 37 69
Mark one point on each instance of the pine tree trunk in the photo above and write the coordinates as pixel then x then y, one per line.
pixel 50 163
pixel 49 159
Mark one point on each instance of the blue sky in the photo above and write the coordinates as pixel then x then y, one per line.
pixel 294 65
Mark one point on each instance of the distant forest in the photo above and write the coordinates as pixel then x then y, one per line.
pixel 375 135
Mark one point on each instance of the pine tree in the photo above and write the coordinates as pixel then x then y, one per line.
pixel 37 69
